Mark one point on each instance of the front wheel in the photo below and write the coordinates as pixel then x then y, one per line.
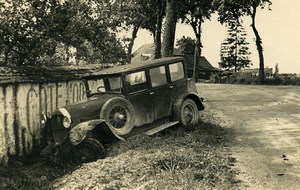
pixel 189 114
pixel 119 114
pixel 88 150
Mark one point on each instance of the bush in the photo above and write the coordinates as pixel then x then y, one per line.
pixel 248 79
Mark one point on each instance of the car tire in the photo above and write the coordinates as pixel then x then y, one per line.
pixel 88 150
pixel 189 114
pixel 119 114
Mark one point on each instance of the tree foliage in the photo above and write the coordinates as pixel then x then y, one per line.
pixel 131 15
pixel 33 31
pixel 194 13
pixel 54 31
pixel 186 45
pixel 234 50
pixel 231 8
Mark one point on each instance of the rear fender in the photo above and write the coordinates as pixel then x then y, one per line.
pixel 197 100
pixel 177 104
pixel 80 131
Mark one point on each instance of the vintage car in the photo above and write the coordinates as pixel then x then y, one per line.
pixel 122 101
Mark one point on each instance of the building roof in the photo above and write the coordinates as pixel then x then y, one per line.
pixel 204 64
pixel 36 73
pixel 148 50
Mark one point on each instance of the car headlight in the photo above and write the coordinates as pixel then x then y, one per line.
pixel 67 117
pixel 66 122
pixel 43 120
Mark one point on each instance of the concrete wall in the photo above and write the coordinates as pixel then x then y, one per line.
pixel 22 104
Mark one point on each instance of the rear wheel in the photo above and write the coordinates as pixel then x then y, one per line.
pixel 189 114
pixel 88 150
pixel 119 114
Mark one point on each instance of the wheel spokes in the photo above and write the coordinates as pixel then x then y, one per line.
pixel 117 117
pixel 188 113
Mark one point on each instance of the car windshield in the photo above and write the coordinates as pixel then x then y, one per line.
pixel 107 84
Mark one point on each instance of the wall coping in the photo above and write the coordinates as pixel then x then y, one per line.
pixel 43 74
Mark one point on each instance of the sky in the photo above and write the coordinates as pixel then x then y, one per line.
pixel 278 28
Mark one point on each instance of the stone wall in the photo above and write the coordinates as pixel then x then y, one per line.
pixel 21 106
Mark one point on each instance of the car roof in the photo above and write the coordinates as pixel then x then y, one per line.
pixel 136 66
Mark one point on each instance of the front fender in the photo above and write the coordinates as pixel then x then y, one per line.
pixel 79 132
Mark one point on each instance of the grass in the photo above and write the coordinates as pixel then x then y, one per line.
pixel 177 158
pixel 36 175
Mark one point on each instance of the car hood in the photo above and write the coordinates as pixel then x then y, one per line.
pixel 87 109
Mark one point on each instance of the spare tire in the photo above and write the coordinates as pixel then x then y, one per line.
pixel 119 114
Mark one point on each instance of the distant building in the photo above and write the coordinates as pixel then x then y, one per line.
pixel 255 71
pixel 289 75
pixel 146 52
pixel 205 68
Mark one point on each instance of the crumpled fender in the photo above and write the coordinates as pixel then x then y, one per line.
pixel 78 133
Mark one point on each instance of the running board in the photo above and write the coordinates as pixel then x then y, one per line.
pixel 160 128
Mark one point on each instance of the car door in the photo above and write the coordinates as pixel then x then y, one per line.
pixel 140 96
pixel 177 79
pixel 161 92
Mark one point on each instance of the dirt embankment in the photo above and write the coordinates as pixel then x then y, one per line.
pixel 198 158
pixel 174 159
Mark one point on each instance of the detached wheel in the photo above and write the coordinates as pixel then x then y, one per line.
pixel 119 114
pixel 88 150
pixel 189 114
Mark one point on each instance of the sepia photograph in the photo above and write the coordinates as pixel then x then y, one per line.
pixel 149 94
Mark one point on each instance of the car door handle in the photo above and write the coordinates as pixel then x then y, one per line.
pixel 171 86
pixel 151 93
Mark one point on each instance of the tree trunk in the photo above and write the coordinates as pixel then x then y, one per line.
pixel 259 48
pixel 157 35
pixel 196 62
pixel 169 29
pixel 198 49
pixel 236 48
pixel 133 37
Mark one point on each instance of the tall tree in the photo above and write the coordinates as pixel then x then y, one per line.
pixel 131 15
pixel 158 28
pixel 254 5
pixel 169 28
pixel 194 13
pixel 229 8
pixel 234 50
pixel 136 14
pixel 154 12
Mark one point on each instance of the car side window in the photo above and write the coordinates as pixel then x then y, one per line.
pixel 136 81
pixel 115 83
pixel 176 71
pixel 94 85
pixel 158 76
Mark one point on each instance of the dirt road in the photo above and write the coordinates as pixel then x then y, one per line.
pixel 266 120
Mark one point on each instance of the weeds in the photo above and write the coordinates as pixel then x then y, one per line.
pixel 177 158
pixel 248 79
pixel 30 175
